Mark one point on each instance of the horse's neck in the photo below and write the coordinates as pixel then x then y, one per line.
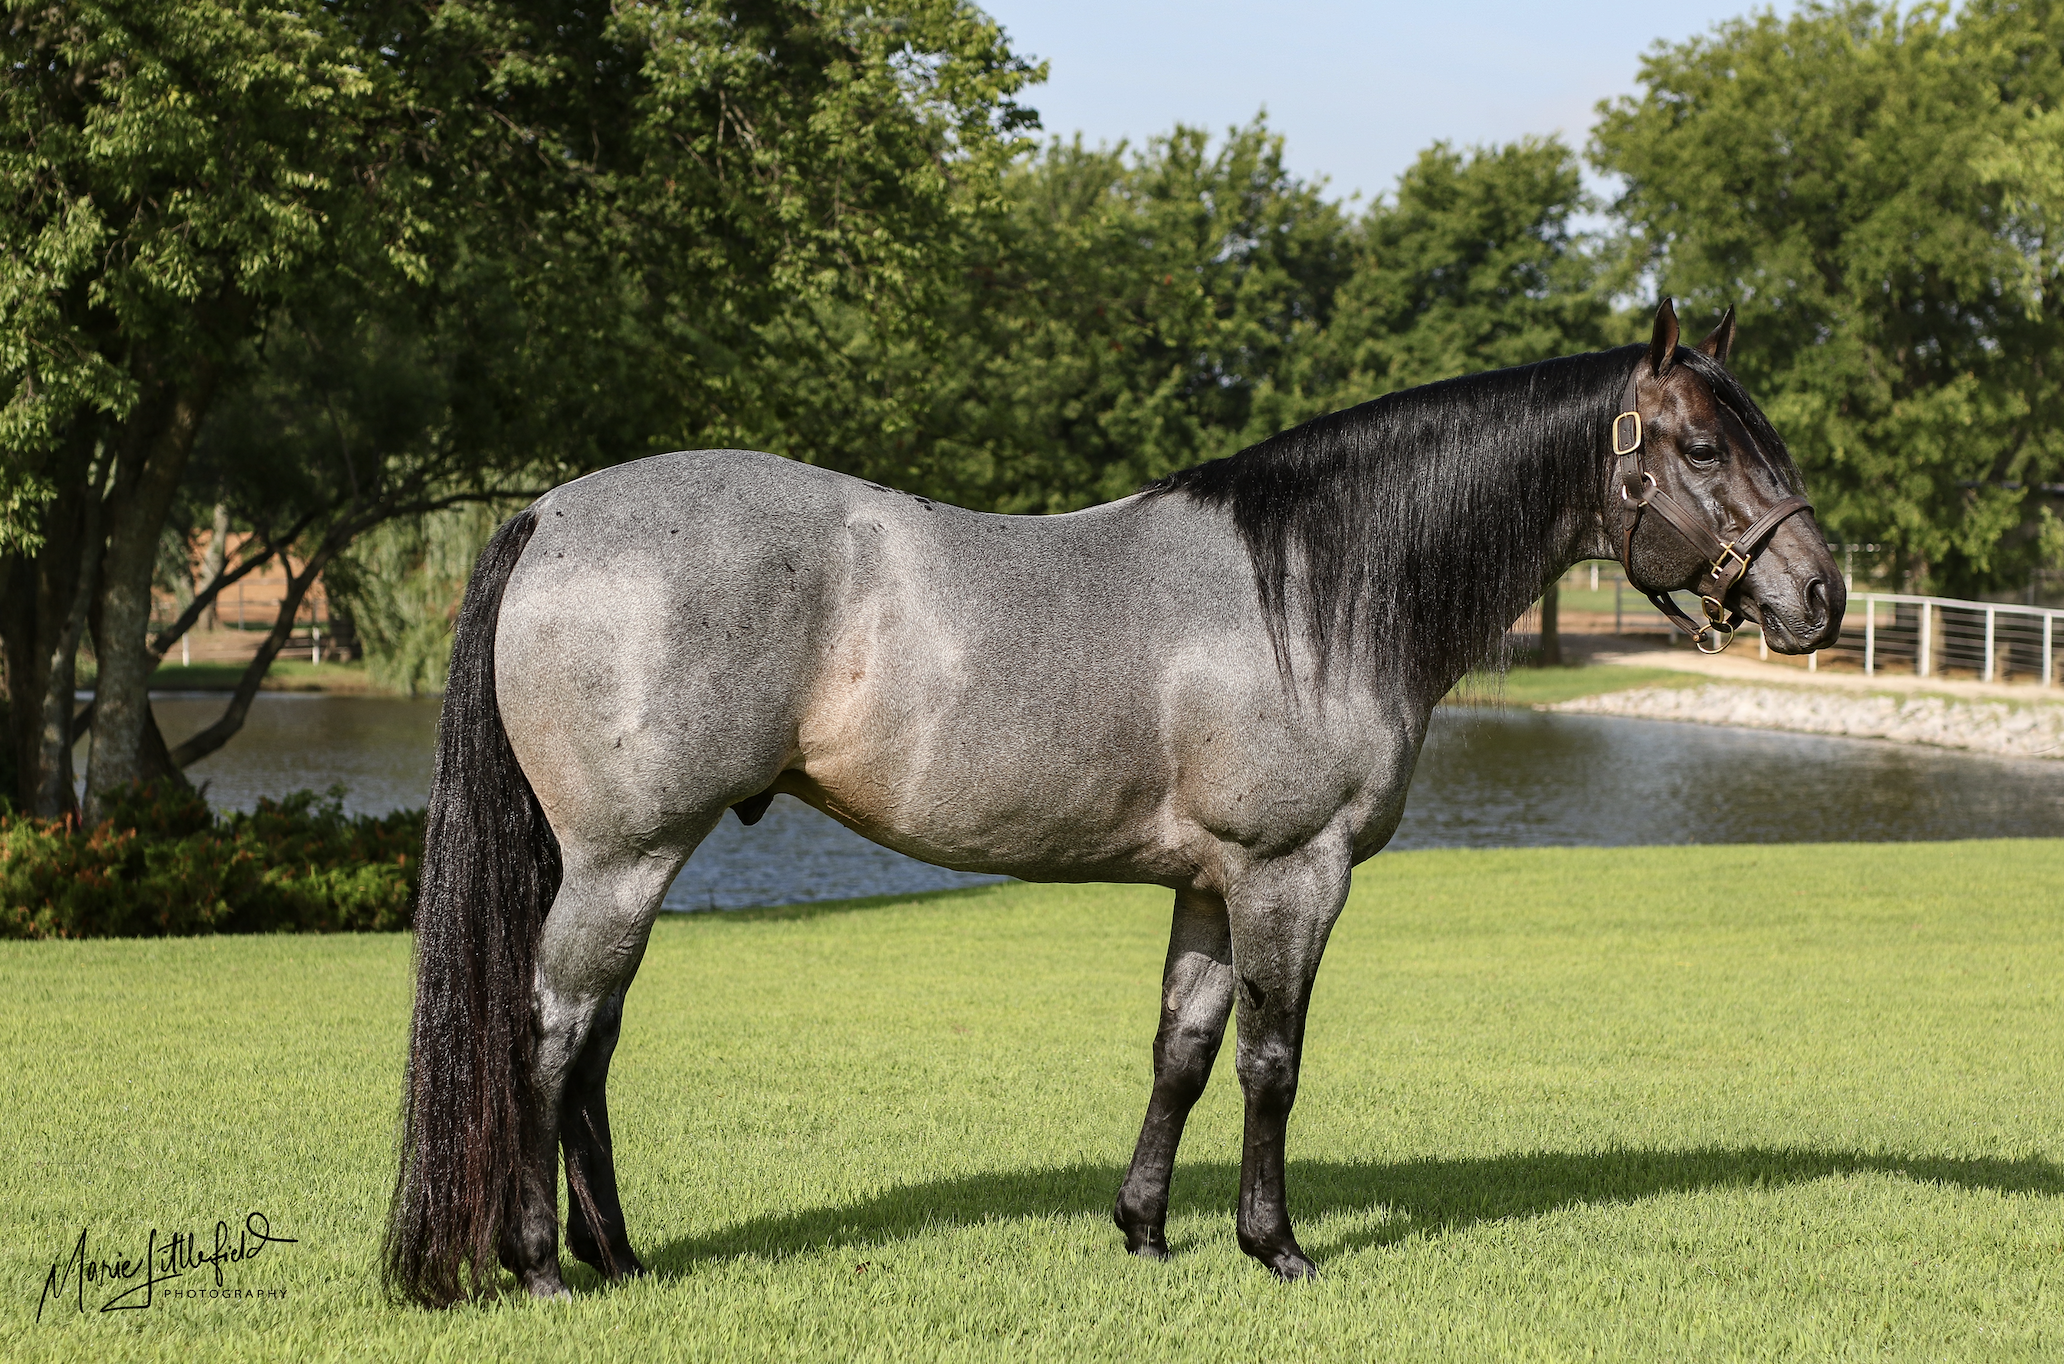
pixel 1575 534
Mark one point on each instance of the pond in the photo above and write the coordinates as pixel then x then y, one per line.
pixel 1488 778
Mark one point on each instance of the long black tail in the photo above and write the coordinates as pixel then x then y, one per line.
pixel 490 870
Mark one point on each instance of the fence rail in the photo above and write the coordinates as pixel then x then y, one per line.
pixel 1930 635
pixel 1881 631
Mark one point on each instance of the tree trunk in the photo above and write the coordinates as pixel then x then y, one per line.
pixel 146 479
pixel 212 561
pixel 42 619
pixel 54 796
pixel 1551 625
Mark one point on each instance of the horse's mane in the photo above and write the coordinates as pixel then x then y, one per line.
pixel 1418 524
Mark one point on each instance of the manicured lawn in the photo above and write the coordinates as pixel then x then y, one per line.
pixel 1546 686
pixel 1756 1103
pixel 285 674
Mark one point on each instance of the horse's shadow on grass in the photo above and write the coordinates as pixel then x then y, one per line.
pixel 1421 1197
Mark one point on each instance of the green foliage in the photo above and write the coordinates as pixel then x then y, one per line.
pixel 1877 193
pixel 402 583
pixel 164 167
pixel 163 864
pixel 1136 315
pixel 1473 265
pixel 1127 313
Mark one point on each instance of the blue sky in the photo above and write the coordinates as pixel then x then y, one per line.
pixel 1356 89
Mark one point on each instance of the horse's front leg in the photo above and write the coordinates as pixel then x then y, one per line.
pixel 1280 915
pixel 1196 996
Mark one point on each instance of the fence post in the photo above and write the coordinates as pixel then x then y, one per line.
pixel 2048 667
pixel 1870 636
pixel 1989 613
pixel 1617 585
pixel 1921 658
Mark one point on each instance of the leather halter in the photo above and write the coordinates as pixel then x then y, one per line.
pixel 1727 560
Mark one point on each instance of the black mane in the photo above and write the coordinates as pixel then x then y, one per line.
pixel 1420 523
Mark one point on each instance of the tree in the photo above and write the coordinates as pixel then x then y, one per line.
pixel 1876 193
pixel 242 202
pixel 1123 314
pixel 1474 264
pixel 170 171
pixel 1112 316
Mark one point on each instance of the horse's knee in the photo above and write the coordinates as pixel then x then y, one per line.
pixel 1268 1072
pixel 1183 1056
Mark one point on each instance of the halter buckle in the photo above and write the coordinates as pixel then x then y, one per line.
pixel 1716 610
pixel 1730 552
pixel 1625 448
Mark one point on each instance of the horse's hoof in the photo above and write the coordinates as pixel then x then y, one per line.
pixel 1151 1250
pixel 546 1286
pixel 1292 1267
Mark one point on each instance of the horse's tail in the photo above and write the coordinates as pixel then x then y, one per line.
pixel 490 870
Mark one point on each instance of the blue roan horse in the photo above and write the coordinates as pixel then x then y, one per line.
pixel 1219 685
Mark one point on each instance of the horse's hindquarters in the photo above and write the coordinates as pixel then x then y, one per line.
pixel 656 642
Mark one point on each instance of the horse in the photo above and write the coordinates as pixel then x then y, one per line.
pixel 1219 685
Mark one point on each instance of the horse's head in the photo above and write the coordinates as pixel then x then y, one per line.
pixel 1707 499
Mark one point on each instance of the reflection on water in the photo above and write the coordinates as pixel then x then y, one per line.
pixel 1488 778
pixel 378 747
pixel 1514 778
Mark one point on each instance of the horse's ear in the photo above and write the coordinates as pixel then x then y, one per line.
pixel 1662 347
pixel 1721 343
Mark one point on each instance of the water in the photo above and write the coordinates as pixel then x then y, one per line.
pixel 1488 778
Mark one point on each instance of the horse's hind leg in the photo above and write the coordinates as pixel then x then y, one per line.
pixel 1196 996
pixel 592 943
pixel 595 1229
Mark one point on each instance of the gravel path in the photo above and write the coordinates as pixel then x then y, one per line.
pixel 2029 731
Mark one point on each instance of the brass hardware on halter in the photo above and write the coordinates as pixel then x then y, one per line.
pixel 1628 448
pixel 1729 559
pixel 1730 552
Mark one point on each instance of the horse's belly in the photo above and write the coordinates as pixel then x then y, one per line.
pixel 1046 813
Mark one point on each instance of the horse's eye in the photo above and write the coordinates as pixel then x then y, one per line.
pixel 1703 455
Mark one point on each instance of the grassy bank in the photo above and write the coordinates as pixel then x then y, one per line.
pixel 1547 686
pixel 1641 1103
pixel 285 674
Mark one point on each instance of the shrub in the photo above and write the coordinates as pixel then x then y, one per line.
pixel 164 864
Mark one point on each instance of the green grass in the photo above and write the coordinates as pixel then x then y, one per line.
pixel 1547 686
pixel 285 674
pixel 1755 1103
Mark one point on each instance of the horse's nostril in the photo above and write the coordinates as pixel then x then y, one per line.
pixel 1816 600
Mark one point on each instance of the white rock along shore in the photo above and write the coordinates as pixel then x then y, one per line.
pixel 2026 731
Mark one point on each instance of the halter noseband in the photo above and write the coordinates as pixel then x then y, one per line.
pixel 1728 560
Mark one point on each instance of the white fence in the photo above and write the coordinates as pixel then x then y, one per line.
pixel 1930 636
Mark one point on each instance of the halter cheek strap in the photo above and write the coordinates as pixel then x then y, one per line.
pixel 1728 559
